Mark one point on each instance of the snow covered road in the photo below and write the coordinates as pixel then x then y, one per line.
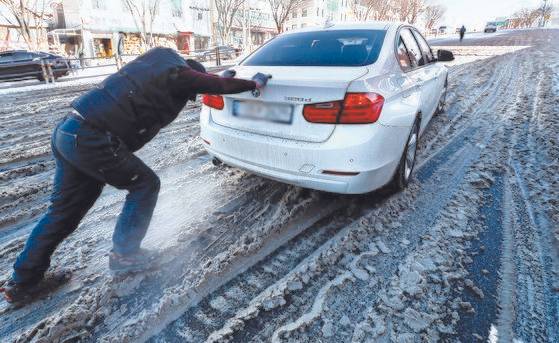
pixel 469 252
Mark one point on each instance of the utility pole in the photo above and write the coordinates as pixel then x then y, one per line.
pixel 212 23
pixel 244 26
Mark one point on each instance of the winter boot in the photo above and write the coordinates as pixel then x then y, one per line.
pixel 15 293
pixel 143 260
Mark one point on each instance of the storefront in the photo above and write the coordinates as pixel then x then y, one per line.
pixel 184 42
pixel 66 41
pixel 201 42
pixel 102 45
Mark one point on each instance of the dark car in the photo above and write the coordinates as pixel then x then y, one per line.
pixel 225 53
pixel 22 64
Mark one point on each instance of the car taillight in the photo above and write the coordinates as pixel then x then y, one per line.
pixel 326 112
pixel 357 108
pixel 213 101
pixel 361 108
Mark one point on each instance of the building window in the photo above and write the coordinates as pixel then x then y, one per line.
pixel 294 26
pixel 294 14
pixel 200 16
pixel 98 4
pixel 304 13
pixel 176 8
pixel 304 25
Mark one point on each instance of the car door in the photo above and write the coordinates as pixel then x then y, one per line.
pixel 417 74
pixel 5 68
pixel 24 64
pixel 432 76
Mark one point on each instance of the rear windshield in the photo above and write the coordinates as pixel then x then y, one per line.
pixel 337 48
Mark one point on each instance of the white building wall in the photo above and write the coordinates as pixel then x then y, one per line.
pixel 105 18
pixel 113 15
pixel 255 16
pixel 318 12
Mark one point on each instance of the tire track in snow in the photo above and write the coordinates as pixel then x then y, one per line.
pixel 460 158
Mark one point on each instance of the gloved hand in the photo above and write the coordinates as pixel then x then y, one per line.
pixel 261 80
pixel 229 73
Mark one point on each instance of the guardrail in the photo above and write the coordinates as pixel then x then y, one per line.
pixel 49 70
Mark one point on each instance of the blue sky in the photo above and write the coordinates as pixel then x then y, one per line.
pixel 475 13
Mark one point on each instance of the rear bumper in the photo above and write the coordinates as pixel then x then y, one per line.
pixel 373 151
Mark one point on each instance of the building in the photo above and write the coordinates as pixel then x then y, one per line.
pixel 318 12
pixel 100 28
pixel 251 27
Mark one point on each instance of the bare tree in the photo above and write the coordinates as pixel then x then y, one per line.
pixel 281 9
pixel 373 9
pixel 545 11
pixel 526 17
pixel 410 10
pixel 144 13
pixel 361 9
pixel 432 15
pixel 226 12
pixel 29 17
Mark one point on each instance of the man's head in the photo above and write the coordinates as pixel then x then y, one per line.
pixel 195 65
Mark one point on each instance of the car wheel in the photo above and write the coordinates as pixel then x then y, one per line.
pixel 407 162
pixel 441 107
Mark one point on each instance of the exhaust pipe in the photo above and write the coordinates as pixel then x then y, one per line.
pixel 216 162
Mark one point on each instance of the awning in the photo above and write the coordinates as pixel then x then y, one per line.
pixel 65 32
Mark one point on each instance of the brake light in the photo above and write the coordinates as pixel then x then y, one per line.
pixel 326 112
pixel 357 108
pixel 361 108
pixel 213 101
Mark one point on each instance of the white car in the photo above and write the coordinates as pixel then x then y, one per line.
pixel 342 113
pixel 490 27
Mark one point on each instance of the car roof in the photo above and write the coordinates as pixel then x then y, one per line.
pixel 12 51
pixel 370 25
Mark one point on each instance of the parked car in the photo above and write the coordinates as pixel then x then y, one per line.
pixel 343 111
pixel 22 64
pixel 61 65
pixel 490 27
pixel 225 52
pixel 443 30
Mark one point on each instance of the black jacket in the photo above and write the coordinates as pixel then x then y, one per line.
pixel 147 94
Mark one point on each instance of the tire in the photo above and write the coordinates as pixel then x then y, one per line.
pixel 441 107
pixel 404 171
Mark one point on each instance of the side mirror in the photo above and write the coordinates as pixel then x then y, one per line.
pixel 445 56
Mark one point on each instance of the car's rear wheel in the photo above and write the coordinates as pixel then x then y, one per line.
pixel 441 107
pixel 407 162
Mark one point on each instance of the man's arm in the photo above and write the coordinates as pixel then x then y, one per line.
pixel 190 81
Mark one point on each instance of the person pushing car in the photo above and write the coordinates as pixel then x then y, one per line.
pixel 94 146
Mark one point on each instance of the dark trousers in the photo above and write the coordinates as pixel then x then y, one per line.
pixel 86 160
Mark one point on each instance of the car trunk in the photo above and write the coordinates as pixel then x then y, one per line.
pixel 278 110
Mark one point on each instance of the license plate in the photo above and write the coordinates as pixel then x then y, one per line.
pixel 277 113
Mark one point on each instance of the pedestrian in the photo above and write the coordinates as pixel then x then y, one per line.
pixel 94 146
pixel 462 32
